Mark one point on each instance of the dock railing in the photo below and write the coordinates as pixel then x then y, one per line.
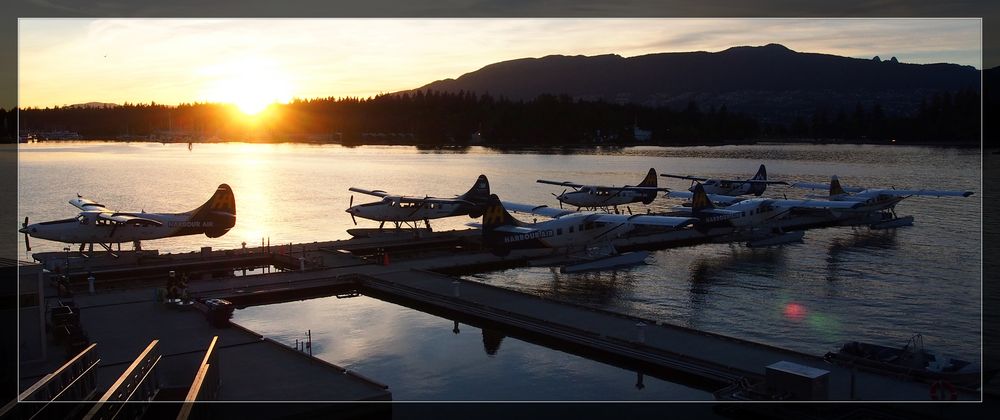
pixel 73 381
pixel 205 386
pixel 130 395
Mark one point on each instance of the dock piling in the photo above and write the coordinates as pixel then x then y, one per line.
pixel 640 330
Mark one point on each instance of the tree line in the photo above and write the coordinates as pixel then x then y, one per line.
pixel 434 118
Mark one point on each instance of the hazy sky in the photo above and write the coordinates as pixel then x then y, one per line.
pixel 250 61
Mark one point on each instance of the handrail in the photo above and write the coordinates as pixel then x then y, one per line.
pixel 131 380
pixel 205 380
pixel 41 382
pixel 192 395
pixel 73 381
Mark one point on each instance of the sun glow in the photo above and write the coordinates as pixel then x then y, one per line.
pixel 251 84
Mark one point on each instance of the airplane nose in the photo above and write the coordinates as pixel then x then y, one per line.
pixel 23 230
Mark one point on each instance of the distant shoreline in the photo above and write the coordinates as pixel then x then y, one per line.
pixel 515 146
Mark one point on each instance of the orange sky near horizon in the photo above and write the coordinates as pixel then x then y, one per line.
pixel 254 62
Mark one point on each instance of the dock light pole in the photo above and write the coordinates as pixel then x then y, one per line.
pixel 66 250
pixel 455 330
pixel 90 282
pixel 640 332
pixel 638 381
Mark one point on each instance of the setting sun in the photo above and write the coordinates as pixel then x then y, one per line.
pixel 251 84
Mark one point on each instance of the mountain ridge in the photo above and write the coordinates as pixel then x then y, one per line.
pixel 768 81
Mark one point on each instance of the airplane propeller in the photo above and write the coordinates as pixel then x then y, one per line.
pixel 557 198
pixel 27 245
pixel 351 204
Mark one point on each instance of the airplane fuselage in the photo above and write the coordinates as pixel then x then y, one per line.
pixel 389 210
pixel 571 231
pixel 595 197
pixel 87 227
pixel 873 200
pixel 723 187
pixel 754 212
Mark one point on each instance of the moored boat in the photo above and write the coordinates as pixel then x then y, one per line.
pixel 909 360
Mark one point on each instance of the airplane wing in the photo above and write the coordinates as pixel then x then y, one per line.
pixel 752 181
pixel 824 186
pixel 693 178
pixel 514 229
pixel 536 210
pixel 716 198
pixel 642 219
pixel 508 229
pixel 816 204
pixel 633 188
pixel 563 183
pixel 377 193
pixel 128 218
pixel 87 204
pixel 435 200
pixel 933 193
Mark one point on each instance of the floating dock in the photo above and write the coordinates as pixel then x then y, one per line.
pixel 124 316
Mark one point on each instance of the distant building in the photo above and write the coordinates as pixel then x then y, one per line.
pixel 640 134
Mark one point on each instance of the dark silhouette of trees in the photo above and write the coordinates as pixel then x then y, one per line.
pixel 433 118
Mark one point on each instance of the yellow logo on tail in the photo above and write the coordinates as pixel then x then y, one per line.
pixel 493 215
pixel 700 200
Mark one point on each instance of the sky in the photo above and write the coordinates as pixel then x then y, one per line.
pixel 252 62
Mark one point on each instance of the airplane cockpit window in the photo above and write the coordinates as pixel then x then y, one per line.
pixel 82 219
pixel 710 182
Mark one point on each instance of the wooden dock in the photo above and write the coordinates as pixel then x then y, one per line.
pixel 124 316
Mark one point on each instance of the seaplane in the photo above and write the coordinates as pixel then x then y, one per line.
pixel 410 210
pixel 595 197
pixel 872 199
pixel 583 237
pixel 97 224
pixel 731 187
pixel 752 214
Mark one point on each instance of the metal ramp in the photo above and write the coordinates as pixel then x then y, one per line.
pixel 73 381
pixel 139 383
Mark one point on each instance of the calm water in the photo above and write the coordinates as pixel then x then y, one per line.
pixel 841 284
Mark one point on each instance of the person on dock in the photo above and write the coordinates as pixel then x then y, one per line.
pixel 172 292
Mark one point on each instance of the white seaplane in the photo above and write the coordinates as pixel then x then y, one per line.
pixel 97 224
pixel 584 236
pixel 742 213
pixel 752 214
pixel 409 210
pixel 876 199
pixel 733 187
pixel 595 197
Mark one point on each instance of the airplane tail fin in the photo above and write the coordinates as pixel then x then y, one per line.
pixel 480 191
pixel 495 215
pixel 700 201
pixel 649 180
pixel 761 175
pixel 479 195
pixel 835 188
pixel 218 214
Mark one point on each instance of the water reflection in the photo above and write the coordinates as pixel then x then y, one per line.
pixel 595 287
pixel 861 241
pixel 704 271
pixel 491 341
